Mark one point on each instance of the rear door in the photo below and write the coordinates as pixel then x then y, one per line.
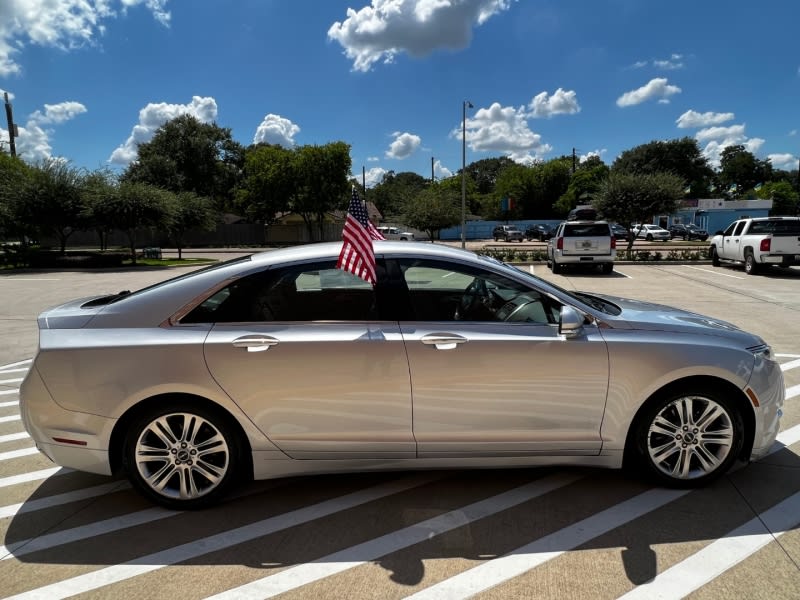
pixel 589 239
pixel 304 352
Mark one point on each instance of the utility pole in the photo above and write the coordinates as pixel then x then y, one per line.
pixel 12 128
pixel 432 177
pixel 574 161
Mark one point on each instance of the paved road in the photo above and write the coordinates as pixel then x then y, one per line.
pixel 528 533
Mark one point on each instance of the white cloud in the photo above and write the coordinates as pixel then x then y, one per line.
pixel 440 171
pixel 62 24
pixel 671 63
pixel 403 146
pixel 275 129
pixel 734 132
pixel 793 133
pixel 153 116
pixel 639 64
pixel 787 161
pixel 657 88
pixel 560 103
pixel 373 158
pixel 503 129
pixel 417 27
pixel 33 142
pixel 373 176
pixel 691 119
pixel 588 155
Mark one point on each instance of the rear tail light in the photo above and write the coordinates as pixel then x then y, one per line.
pixel 613 242
pixel 560 244
pixel 766 244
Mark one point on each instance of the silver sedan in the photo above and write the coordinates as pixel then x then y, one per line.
pixel 279 364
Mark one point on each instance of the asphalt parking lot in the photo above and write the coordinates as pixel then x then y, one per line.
pixel 527 533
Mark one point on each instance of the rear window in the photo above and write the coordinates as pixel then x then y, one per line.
pixel 776 227
pixel 587 230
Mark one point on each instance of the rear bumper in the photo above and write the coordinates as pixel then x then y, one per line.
pixel 576 259
pixel 787 260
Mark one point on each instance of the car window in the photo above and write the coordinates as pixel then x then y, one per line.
pixel 739 228
pixel 589 230
pixel 729 230
pixel 441 291
pixel 311 292
pixel 775 227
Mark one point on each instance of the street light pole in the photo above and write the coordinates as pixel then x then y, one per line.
pixel 464 106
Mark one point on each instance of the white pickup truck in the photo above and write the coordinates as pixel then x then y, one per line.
pixel 758 243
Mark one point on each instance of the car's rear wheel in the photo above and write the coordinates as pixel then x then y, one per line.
pixel 750 264
pixel 689 438
pixel 182 456
pixel 556 267
pixel 607 268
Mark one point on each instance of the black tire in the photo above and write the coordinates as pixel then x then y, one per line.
pixel 714 257
pixel 495 239
pixel 751 267
pixel 681 450
pixel 607 268
pixel 556 267
pixel 193 455
pixel 649 237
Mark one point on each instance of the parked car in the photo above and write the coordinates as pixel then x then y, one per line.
pixel 390 232
pixel 619 232
pixel 650 232
pixel 508 233
pixel 279 364
pixel 758 243
pixel 688 231
pixel 538 231
pixel 582 243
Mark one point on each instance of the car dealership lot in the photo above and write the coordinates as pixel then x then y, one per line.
pixel 510 533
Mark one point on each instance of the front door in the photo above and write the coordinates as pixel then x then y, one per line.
pixel 491 374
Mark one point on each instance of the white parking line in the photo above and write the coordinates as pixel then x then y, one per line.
pixel 11 510
pixel 792 391
pixel 9 418
pixel 725 553
pixel 360 554
pixel 790 365
pixel 788 355
pixel 496 571
pixel 16 380
pixel 16 364
pixel 152 562
pixel 7 371
pixel 8 392
pixel 18 453
pixel 32 476
pixel 618 272
pixel 9 404
pixel 715 272
pixel 13 437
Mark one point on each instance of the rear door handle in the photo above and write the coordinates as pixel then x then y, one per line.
pixel 443 341
pixel 254 343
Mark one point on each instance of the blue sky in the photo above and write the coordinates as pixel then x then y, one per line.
pixel 90 78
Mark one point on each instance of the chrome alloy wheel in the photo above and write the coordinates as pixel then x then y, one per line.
pixel 181 456
pixel 690 437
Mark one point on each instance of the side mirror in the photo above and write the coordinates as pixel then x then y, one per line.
pixel 570 323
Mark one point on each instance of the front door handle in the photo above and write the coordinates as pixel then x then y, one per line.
pixel 443 341
pixel 254 343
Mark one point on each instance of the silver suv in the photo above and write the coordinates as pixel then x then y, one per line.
pixel 582 242
pixel 508 233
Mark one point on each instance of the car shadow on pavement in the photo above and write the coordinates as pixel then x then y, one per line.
pixel 432 518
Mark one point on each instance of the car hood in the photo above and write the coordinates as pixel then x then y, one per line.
pixel 648 316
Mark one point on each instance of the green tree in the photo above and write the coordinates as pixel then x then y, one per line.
pixel 189 212
pixel 395 190
pixel 784 198
pixel 485 172
pixel 583 186
pixel 97 188
pixel 269 183
pixel 14 176
pixel 135 206
pixel 740 171
pixel 681 157
pixel 631 198
pixel 186 155
pixel 53 201
pixel 324 185
pixel 435 208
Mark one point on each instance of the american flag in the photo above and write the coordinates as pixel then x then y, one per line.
pixel 357 255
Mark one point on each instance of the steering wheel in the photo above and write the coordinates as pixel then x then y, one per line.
pixel 476 294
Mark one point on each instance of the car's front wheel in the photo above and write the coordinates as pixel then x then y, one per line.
pixel 714 257
pixel 689 438
pixel 182 456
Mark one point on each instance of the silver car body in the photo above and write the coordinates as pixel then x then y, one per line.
pixel 651 232
pixel 365 393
